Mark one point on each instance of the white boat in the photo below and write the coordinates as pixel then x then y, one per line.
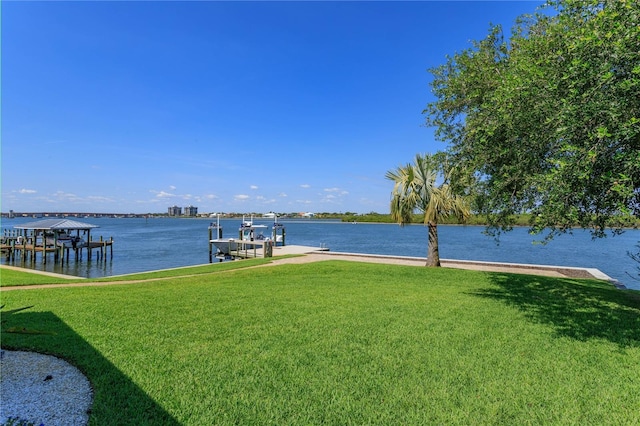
pixel 253 232
pixel 225 247
pixel 247 232
pixel 250 231
pixel 63 239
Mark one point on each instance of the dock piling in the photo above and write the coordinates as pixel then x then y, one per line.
pixel 45 237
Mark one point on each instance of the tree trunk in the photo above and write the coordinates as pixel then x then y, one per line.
pixel 433 255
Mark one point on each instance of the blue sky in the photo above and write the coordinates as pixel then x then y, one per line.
pixel 133 107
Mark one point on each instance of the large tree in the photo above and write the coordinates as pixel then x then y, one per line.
pixel 548 121
pixel 416 187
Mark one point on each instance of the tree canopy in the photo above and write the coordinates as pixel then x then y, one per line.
pixel 548 121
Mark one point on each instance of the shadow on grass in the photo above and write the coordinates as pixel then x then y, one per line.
pixel 116 399
pixel 579 309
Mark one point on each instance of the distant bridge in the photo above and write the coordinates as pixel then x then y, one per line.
pixel 13 214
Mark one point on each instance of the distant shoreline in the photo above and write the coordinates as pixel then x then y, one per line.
pixel 380 218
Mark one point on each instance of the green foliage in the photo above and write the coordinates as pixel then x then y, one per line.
pixel 523 219
pixel 548 122
pixel 368 217
pixel 415 187
pixel 347 343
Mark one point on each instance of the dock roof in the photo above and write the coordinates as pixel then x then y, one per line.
pixel 51 224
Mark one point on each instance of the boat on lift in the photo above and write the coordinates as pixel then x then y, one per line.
pixel 248 231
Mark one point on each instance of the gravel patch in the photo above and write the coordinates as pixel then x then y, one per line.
pixel 42 390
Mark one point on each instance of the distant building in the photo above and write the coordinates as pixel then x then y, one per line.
pixel 191 211
pixel 175 211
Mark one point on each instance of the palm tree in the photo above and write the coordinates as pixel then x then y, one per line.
pixel 415 189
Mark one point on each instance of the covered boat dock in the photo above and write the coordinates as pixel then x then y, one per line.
pixel 57 236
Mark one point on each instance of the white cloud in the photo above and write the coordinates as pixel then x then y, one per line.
pixel 338 190
pixel 62 194
pixel 100 199
pixel 241 197
pixel 172 188
pixel 27 191
pixel 305 185
pixel 163 194
pixel 253 187
pixel 282 194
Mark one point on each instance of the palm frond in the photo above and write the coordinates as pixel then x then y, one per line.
pixel 415 188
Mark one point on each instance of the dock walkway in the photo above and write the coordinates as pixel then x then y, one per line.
pixel 315 254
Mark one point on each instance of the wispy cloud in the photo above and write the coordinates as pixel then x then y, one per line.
pixel 66 197
pixel 339 191
pixel 100 199
pixel 27 191
pixel 163 194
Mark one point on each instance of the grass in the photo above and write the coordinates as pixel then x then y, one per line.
pixel 189 270
pixel 12 277
pixel 338 342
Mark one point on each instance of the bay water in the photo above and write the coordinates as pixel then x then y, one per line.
pixel 159 243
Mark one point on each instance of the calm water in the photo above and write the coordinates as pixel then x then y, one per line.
pixel 149 244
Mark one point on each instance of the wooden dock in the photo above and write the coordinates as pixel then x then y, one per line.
pixel 257 249
pixel 12 248
pixel 60 237
pixel 243 249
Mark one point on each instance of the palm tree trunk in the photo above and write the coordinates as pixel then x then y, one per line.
pixel 433 254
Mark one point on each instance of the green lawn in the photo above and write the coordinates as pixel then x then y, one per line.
pixel 13 277
pixel 341 343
